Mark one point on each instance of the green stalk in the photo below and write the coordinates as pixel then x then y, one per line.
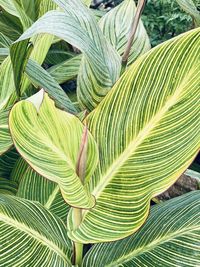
pixel 78 246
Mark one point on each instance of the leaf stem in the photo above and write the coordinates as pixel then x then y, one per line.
pixel 78 246
pixel 139 10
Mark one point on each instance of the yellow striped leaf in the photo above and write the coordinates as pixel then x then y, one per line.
pixel 49 139
pixel 31 235
pixel 148 132
pixel 169 238
pixel 34 187
pixel 5 138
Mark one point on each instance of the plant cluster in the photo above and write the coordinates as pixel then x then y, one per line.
pixel 79 168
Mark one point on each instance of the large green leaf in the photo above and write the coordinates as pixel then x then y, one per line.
pixel 170 237
pixel 36 188
pixel 189 7
pixel 116 26
pixel 147 130
pixel 50 140
pixel 31 235
pixel 5 138
pixel 101 64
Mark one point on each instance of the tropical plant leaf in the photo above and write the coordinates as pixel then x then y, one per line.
pixel 5 42
pixel 5 138
pixel 101 64
pixel 34 187
pixel 42 79
pixel 31 235
pixel 45 137
pixel 116 26
pixel 7 163
pixel 66 70
pixel 4 52
pixel 8 187
pixel 18 170
pixel 147 129
pixel 189 7
pixel 15 9
pixel 170 237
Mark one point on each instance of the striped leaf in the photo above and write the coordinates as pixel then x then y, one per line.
pixel 8 187
pixel 4 52
pixel 18 170
pixel 189 7
pixel 42 79
pixel 101 64
pixel 50 140
pixel 31 235
pixel 34 187
pixel 169 238
pixel 66 70
pixel 5 138
pixel 7 162
pixel 116 26
pixel 5 41
pixel 14 8
pixel 147 129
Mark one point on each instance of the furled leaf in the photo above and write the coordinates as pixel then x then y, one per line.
pixel 147 129
pixel 31 235
pixel 189 7
pixel 5 138
pixel 34 187
pixel 170 237
pixel 4 52
pixel 42 79
pixel 101 64
pixel 49 139
pixel 4 41
pixel 116 26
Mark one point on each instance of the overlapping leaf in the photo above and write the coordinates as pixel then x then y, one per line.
pixel 7 163
pixel 101 63
pixel 8 187
pixel 34 187
pixel 147 129
pixel 31 235
pixel 170 237
pixel 116 26
pixel 50 140
pixel 5 138
pixel 42 79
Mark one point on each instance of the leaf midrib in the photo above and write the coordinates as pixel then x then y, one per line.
pixel 152 245
pixel 134 144
pixel 35 235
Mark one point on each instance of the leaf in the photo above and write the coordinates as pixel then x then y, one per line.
pixel 147 131
pixel 42 79
pixel 170 237
pixel 189 7
pixel 34 187
pixel 31 235
pixel 116 26
pixel 67 70
pixel 5 42
pixel 18 170
pixel 15 9
pixel 101 64
pixel 49 140
pixel 8 187
pixel 4 52
pixel 7 163
pixel 5 138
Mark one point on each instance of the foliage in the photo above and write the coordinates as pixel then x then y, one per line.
pixel 82 167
